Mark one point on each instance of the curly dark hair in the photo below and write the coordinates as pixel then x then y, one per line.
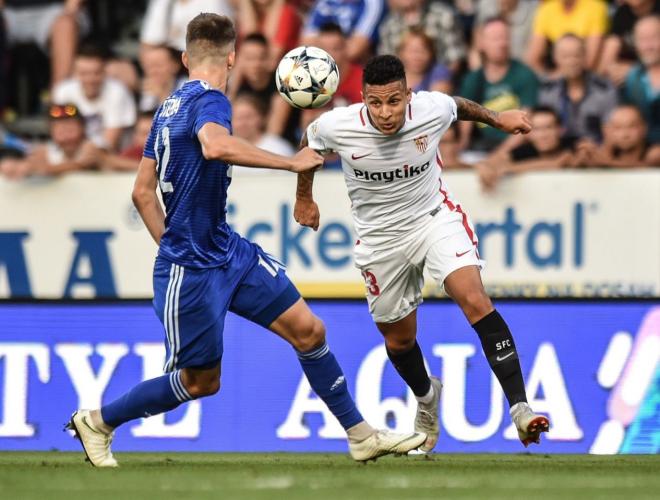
pixel 384 69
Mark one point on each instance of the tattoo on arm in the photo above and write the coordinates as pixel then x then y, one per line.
pixel 305 179
pixel 471 111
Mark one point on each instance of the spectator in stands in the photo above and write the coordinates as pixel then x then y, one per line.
pixel 642 87
pixel 161 67
pixel 107 106
pixel 619 50
pixel 255 75
pixel 165 21
pixel 544 149
pixel 129 158
pixel 520 16
pixel 68 150
pixel 625 144
pixel 249 123
pixel 54 25
pixel 331 38
pixel 587 19
pixel 277 20
pixel 438 20
pixel 500 84
pixel 417 52
pixel 358 19
pixel 581 98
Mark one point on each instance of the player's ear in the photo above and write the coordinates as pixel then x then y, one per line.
pixel 184 59
pixel 408 95
pixel 231 59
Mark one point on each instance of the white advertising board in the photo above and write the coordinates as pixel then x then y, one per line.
pixel 542 235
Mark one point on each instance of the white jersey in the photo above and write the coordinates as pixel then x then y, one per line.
pixel 393 181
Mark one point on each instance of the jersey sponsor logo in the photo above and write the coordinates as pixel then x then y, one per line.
pixel 404 172
pixel 357 157
pixel 422 142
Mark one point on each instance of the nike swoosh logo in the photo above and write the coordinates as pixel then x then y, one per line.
pixel 463 253
pixel 356 157
pixel 504 357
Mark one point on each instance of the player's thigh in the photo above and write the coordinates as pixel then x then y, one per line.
pixel 191 304
pixel 265 292
pixel 300 327
pixel 393 284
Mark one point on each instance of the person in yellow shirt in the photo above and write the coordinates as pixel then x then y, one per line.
pixel 587 19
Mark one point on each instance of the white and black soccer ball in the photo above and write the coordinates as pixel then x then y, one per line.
pixel 307 77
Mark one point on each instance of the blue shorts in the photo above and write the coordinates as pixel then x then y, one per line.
pixel 192 303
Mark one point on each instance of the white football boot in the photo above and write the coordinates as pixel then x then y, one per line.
pixel 95 443
pixel 529 424
pixel 426 419
pixel 385 442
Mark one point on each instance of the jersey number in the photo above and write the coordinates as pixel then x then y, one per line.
pixel 164 134
pixel 370 280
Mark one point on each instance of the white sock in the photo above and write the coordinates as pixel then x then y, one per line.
pixel 360 432
pixel 426 398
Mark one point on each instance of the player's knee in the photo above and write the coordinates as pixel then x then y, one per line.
pixel 310 336
pixel 203 388
pixel 399 344
pixel 476 304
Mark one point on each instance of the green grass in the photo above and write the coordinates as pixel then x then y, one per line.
pixel 289 476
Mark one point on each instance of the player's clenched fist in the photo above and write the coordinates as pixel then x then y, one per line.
pixel 306 213
pixel 306 159
pixel 514 121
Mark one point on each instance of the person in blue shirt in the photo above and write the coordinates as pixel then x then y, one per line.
pixel 358 19
pixel 204 269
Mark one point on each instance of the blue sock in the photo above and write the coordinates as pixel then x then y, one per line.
pixel 148 398
pixel 328 381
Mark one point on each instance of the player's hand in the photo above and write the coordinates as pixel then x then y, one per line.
pixel 514 121
pixel 306 213
pixel 306 159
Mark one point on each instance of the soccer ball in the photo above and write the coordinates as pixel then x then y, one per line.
pixel 307 77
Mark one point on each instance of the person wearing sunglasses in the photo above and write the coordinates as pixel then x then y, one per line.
pixel 67 150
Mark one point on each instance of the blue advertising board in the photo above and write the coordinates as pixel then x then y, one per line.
pixel 592 367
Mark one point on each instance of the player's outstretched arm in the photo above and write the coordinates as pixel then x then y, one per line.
pixel 514 121
pixel 218 144
pixel 306 211
pixel 146 200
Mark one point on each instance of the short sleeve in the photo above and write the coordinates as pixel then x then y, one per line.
pixel 446 105
pixel 367 23
pixel 149 151
pixel 213 107
pixel 319 133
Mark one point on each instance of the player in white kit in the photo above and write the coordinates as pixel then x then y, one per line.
pixel 407 221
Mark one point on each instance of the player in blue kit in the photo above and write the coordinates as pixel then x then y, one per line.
pixel 205 269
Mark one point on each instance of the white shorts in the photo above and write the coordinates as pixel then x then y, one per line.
pixel 394 278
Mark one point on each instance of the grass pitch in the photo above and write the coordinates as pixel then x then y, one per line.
pixel 290 476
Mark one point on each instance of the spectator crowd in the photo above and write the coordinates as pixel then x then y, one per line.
pixel 81 80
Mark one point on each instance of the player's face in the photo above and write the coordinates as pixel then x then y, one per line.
pixel 387 105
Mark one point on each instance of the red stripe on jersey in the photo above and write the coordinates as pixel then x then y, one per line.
pixel 364 124
pixel 409 112
pixel 439 160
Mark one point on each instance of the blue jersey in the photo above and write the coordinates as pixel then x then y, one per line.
pixel 194 189
pixel 360 17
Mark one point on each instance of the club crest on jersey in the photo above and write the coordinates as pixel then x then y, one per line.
pixel 422 142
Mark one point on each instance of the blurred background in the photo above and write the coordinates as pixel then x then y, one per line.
pixel 568 217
